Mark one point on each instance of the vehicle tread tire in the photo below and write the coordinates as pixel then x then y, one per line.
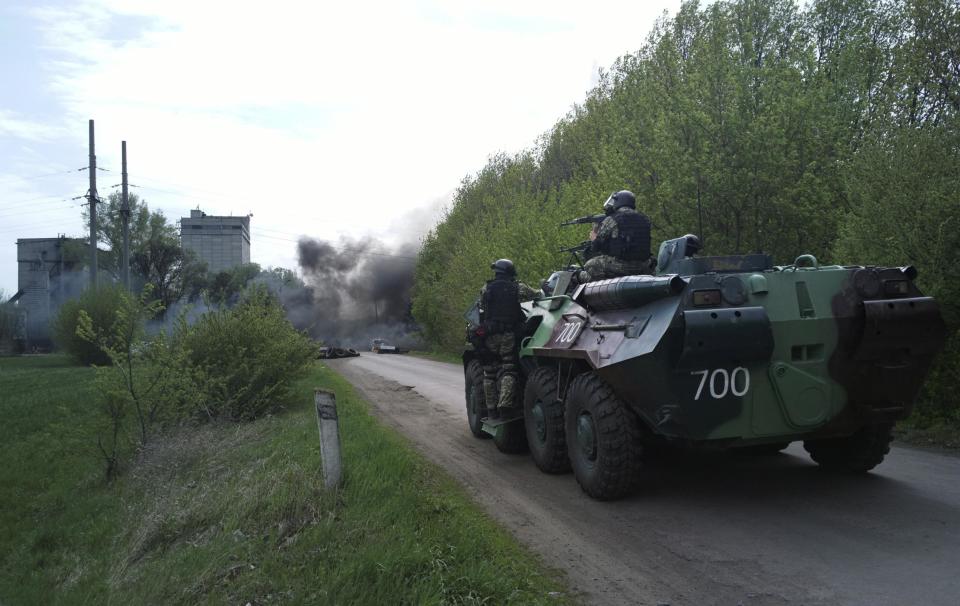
pixel 858 453
pixel 619 442
pixel 473 387
pixel 511 438
pixel 550 455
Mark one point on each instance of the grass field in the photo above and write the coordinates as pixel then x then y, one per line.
pixel 236 513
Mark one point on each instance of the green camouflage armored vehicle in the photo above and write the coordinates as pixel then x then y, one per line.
pixel 715 352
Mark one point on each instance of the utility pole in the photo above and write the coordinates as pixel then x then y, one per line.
pixel 92 197
pixel 125 217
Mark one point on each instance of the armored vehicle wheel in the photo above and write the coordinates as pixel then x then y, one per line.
pixel 543 417
pixel 858 453
pixel 511 438
pixel 603 438
pixel 473 385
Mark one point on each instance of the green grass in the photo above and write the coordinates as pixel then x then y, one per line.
pixel 236 513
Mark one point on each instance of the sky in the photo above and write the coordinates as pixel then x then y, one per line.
pixel 322 119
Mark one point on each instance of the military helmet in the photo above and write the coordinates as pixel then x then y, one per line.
pixel 694 245
pixel 504 266
pixel 619 200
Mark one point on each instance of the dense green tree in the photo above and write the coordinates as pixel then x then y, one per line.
pixel 160 261
pixel 757 124
pixel 226 286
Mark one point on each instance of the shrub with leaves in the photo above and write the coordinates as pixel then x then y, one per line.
pixel 131 380
pixel 245 358
pixel 101 306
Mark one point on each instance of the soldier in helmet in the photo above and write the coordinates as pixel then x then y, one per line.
pixel 500 318
pixel 621 246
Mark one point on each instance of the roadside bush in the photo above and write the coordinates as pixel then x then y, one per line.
pixel 245 358
pixel 8 326
pixel 101 305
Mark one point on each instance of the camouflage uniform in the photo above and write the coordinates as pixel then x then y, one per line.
pixel 601 265
pixel 503 360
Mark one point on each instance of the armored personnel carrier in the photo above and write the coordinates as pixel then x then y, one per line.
pixel 714 352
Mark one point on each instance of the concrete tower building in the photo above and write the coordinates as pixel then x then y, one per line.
pixel 221 242
pixel 45 279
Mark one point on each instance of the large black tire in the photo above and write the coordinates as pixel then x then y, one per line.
pixel 858 453
pixel 511 438
pixel 543 418
pixel 476 407
pixel 604 439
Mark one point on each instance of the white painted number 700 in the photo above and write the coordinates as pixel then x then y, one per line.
pixel 723 382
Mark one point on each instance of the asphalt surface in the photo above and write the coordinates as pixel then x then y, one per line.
pixel 704 529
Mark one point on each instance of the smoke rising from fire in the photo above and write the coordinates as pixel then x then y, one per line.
pixel 361 290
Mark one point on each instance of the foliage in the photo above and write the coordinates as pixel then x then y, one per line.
pixel 237 363
pixel 100 306
pixel 110 229
pixel 904 189
pixel 233 514
pixel 755 124
pixel 161 262
pixel 8 318
pixel 226 286
pixel 133 375
pixel 246 357
pixel 156 257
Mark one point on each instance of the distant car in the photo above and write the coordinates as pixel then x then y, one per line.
pixel 381 347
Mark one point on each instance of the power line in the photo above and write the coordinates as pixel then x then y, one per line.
pixel 25 213
pixel 33 202
pixel 68 172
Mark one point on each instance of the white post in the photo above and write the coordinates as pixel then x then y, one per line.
pixel 326 402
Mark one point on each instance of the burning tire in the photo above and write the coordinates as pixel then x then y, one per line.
pixel 603 438
pixel 473 385
pixel 543 419
pixel 858 453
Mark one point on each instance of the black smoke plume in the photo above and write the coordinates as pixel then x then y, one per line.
pixel 361 291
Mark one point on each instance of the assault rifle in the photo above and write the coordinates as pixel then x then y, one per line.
pixel 582 247
pixel 584 220
pixel 577 250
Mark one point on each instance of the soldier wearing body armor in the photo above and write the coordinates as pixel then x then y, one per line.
pixel 500 319
pixel 621 246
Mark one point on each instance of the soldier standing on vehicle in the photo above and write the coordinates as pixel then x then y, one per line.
pixel 501 318
pixel 621 246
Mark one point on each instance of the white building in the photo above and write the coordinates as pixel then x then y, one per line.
pixel 221 242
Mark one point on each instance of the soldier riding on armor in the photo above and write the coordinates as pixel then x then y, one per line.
pixel 621 244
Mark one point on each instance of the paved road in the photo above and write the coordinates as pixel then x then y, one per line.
pixel 708 530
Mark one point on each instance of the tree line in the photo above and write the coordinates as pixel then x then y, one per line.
pixel 174 274
pixel 758 125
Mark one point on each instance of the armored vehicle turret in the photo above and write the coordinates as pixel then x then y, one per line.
pixel 715 352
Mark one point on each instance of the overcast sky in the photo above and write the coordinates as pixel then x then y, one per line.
pixel 324 119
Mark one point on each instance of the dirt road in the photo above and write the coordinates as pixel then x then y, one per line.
pixel 712 530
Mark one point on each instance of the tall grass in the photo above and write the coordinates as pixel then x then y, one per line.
pixel 227 513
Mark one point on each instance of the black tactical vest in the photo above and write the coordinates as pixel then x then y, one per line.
pixel 501 306
pixel 633 240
